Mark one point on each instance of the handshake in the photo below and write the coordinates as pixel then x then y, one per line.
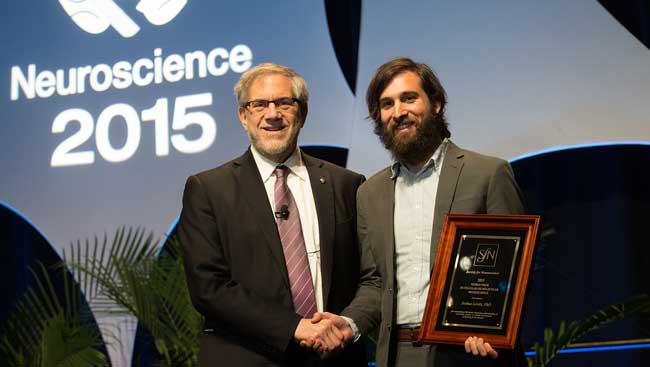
pixel 328 334
pixel 325 333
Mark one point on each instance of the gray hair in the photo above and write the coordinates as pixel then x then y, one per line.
pixel 298 83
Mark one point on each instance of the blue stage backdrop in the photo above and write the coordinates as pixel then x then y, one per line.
pixel 521 77
pixel 104 118
pixel 108 105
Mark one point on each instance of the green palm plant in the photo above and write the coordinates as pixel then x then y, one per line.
pixel 126 276
pixel 554 341
pixel 47 329
pixel 131 276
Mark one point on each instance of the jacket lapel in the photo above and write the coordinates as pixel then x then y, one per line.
pixel 258 204
pixel 452 166
pixel 386 203
pixel 321 186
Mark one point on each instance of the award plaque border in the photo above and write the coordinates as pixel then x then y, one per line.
pixel 454 223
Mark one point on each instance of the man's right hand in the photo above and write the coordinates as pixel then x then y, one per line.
pixel 322 336
pixel 338 321
pixel 342 332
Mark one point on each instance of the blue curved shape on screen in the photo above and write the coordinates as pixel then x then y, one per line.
pixel 325 146
pixel 579 146
pixel 632 16
pixel 40 248
pixel 598 349
pixel 169 232
pixel 332 153
pixel 344 24
pixel 172 227
pixel 28 221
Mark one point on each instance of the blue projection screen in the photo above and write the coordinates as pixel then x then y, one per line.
pixel 107 109
pixel 108 105
pixel 521 77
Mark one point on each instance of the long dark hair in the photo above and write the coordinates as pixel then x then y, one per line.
pixel 428 80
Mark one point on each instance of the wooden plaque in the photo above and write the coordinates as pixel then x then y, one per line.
pixel 479 279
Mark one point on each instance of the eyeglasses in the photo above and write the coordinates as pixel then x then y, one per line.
pixel 282 104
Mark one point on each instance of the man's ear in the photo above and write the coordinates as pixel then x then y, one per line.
pixel 241 112
pixel 437 107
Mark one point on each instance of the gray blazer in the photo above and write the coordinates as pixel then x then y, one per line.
pixel 470 183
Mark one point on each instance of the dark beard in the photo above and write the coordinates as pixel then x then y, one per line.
pixel 416 150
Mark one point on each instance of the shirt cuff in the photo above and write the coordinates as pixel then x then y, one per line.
pixel 354 328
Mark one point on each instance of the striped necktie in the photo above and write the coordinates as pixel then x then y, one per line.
pixel 293 246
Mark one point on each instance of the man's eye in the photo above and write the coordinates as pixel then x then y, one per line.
pixel 385 104
pixel 284 102
pixel 258 104
pixel 409 98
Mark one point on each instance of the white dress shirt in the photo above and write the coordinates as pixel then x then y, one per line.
pixel 300 186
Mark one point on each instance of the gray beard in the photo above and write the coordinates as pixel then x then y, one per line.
pixel 276 153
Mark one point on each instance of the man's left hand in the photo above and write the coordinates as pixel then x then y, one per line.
pixel 477 346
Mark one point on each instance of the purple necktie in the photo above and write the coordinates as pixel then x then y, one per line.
pixel 293 246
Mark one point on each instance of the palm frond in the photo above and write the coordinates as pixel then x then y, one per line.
pixel 46 328
pixel 133 279
pixel 69 346
pixel 637 306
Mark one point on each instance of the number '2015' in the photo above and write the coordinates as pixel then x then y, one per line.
pixel 65 154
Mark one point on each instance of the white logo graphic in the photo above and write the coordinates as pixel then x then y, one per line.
pixel 95 16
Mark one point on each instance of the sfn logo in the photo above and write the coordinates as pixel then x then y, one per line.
pixel 95 16
pixel 486 254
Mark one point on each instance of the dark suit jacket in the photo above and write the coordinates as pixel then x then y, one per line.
pixel 469 183
pixel 236 270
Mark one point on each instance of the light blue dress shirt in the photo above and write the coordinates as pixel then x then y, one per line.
pixel 415 198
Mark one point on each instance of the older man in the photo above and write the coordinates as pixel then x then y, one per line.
pixel 269 238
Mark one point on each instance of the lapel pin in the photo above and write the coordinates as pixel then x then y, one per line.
pixel 322 180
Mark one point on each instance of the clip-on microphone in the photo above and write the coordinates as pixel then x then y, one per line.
pixel 283 213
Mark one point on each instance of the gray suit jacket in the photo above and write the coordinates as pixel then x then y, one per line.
pixel 470 183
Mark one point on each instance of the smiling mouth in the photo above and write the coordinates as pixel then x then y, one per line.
pixel 274 128
pixel 403 125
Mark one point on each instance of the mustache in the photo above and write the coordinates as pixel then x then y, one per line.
pixel 411 149
pixel 399 124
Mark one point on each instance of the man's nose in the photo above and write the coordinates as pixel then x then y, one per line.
pixel 272 112
pixel 399 110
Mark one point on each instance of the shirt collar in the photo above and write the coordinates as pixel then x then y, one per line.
pixel 435 161
pixel 266 166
